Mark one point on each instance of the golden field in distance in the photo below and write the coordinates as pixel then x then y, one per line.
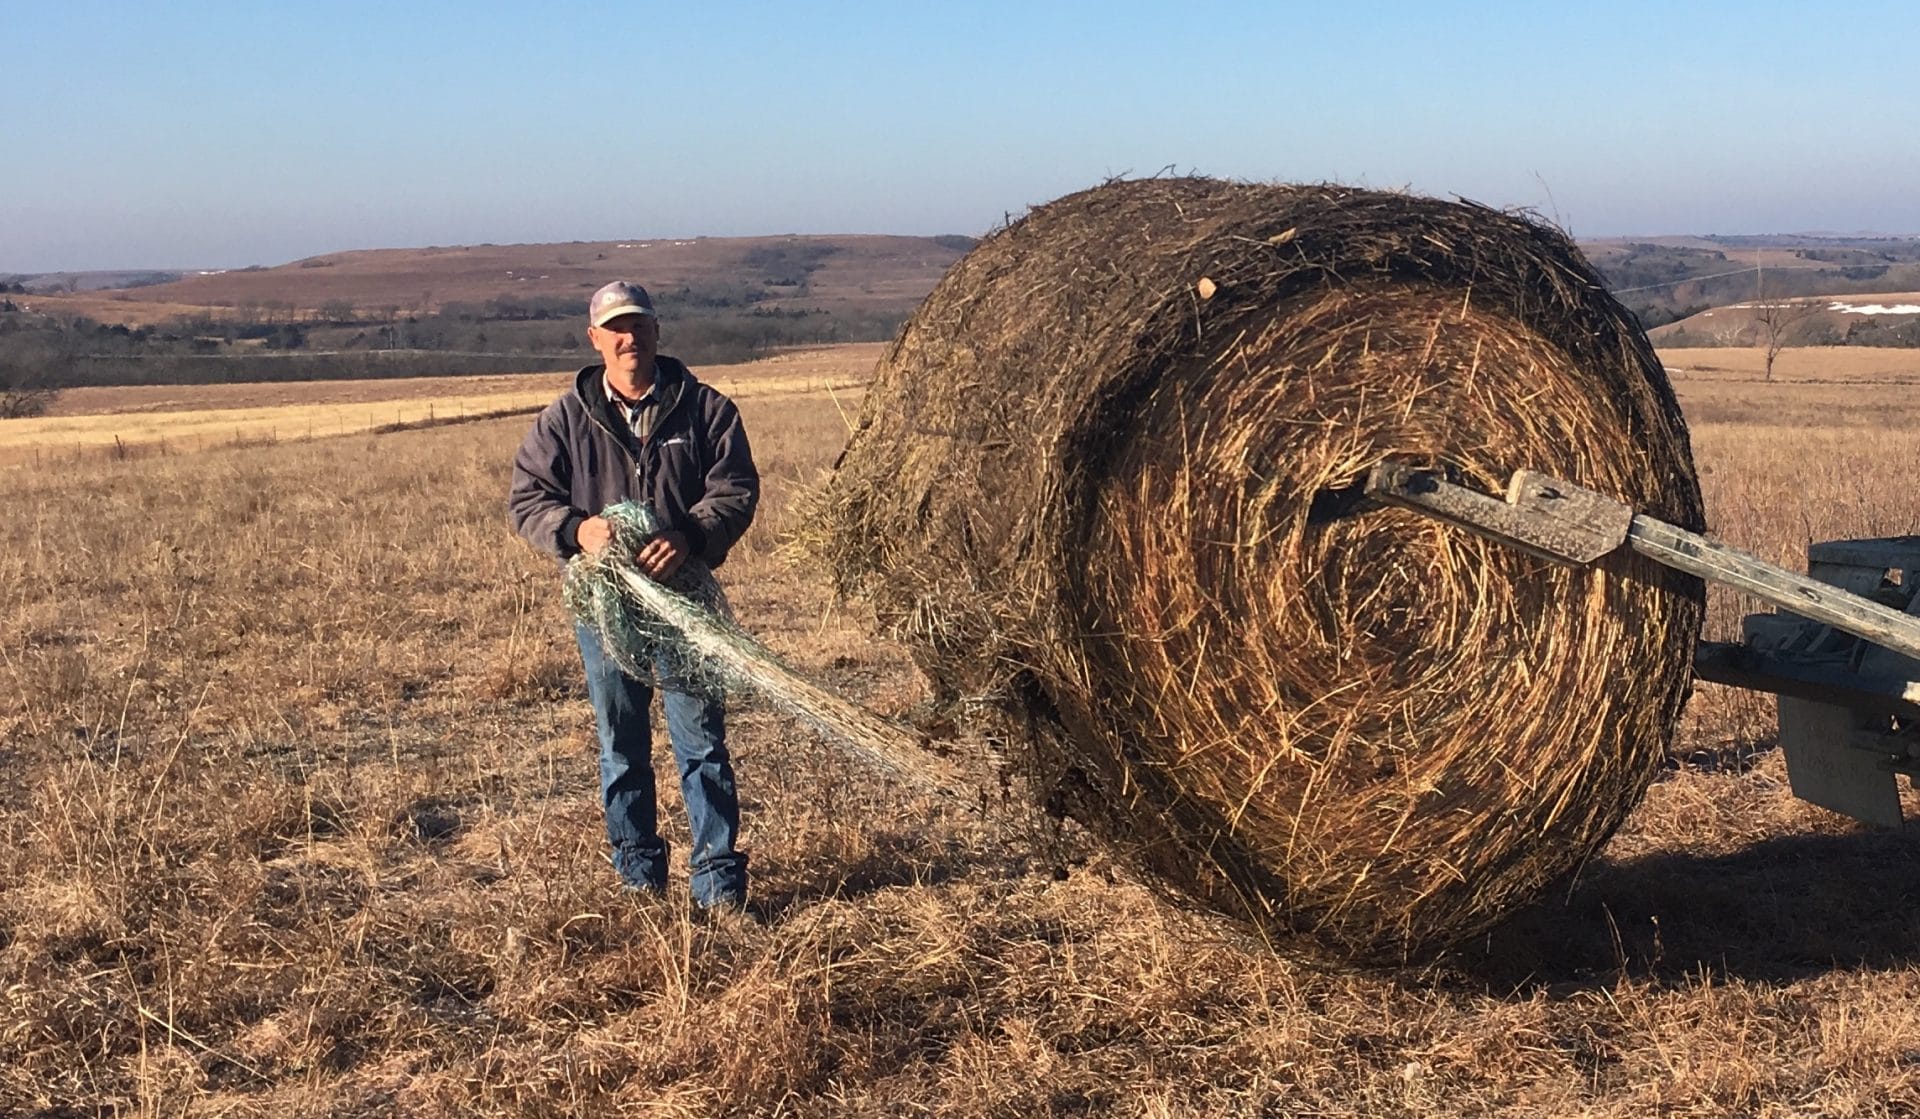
pixel 190 417
pixel 300 819
pixel 1711 382
pixel 1812 364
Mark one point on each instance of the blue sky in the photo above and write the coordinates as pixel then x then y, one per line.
pixel 226 134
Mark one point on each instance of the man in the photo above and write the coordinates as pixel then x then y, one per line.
pixel 640 427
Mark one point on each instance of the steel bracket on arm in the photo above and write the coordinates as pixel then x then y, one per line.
pixel 1558 520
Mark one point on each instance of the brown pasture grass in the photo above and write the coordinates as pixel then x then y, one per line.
pixel 135 400
pixel 299 819
pixel 116 307
pixel 191 417
pixel 824 364
pixel 1815 364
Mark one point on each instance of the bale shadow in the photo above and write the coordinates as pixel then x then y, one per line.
pixel 893 860
pixel 1787 908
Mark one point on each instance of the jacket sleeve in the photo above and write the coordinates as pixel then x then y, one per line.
pixel 732 484
pixel 539 500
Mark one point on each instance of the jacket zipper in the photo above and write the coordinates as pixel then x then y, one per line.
pixel 660 417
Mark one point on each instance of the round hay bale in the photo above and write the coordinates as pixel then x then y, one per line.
pixel 1098 488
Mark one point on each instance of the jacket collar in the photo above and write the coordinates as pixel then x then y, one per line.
pixel 671 380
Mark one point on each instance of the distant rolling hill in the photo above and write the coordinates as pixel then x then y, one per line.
pixel 833 273
pixel 490 308
pixel 1666 279
pixel 468 309
pixel 1662 279
pixel 1867 318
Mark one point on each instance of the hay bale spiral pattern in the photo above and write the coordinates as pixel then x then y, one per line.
pixel 1090 488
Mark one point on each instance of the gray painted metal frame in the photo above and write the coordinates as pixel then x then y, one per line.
pixel 1848 706
pixel 1558 520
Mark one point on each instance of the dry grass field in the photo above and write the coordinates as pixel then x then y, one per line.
pixel 167 418
pixel 299 819
pixel 112 306
pixel 1812 364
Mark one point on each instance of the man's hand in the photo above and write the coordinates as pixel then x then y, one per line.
pixel 661 556
pixel 593 535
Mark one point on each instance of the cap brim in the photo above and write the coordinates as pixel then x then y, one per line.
pixel 611 313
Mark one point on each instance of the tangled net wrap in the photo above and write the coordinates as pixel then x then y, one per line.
pixel 681 634
pixel 648 639
pixel 1091 489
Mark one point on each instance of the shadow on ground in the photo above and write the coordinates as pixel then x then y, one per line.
pixel 1783 909
pixel 893 859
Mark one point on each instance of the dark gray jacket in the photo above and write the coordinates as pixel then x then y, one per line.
pixel 694 466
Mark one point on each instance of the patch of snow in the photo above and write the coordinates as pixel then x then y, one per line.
pixel 1875 308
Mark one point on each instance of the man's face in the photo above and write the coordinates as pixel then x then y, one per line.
pixel 627 343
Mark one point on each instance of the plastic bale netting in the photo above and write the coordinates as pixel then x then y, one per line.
pixel 681 633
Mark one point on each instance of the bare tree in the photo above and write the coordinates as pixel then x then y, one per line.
pixel 1777 318
pixel 21 403
pixel 26 389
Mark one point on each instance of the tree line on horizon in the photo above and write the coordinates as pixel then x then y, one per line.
pixel 763 309
pixel 41 354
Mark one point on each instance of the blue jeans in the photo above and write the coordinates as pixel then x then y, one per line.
pixel 697 729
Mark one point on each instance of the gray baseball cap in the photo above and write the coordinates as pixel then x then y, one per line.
pixel 616 299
